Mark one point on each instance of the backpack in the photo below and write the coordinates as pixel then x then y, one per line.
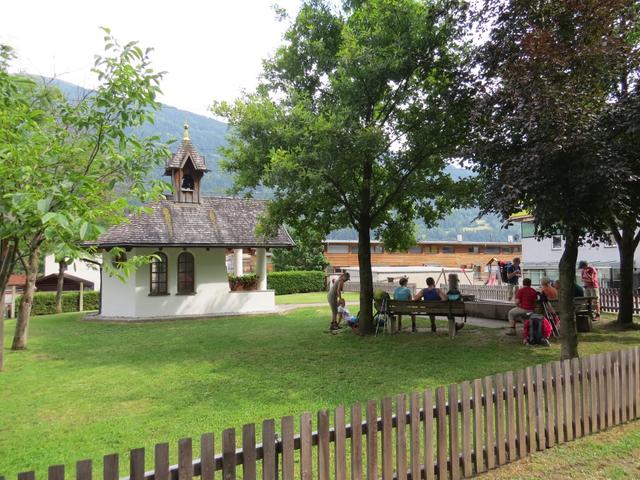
pixel 535 329
pixel 503 270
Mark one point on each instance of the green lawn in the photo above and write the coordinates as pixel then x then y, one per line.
pixel 85 389
pixel 312 297
pixel 613 455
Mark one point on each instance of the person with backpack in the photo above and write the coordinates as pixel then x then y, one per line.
pixel 512 272
pixel 537 330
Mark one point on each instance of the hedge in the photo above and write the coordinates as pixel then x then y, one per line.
pixel 44 303
pixel 296 281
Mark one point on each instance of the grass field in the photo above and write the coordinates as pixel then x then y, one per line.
pixel 85 389
pixel 312 297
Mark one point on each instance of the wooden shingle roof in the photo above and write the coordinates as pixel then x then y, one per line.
pixel 215 222
pixel 186 150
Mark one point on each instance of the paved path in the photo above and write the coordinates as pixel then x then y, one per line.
pixel 479 322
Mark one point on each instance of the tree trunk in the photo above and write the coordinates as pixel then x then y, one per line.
pixel 22 323
pixel 567 266
pixel 365 323
pixel 7 263
pixel 62 267
pixel 2 308
pixel 626 248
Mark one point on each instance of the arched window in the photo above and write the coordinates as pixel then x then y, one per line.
pixel 187 183
pixel 185 273
pixel 158 274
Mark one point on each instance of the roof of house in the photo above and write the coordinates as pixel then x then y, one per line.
pixel 430 242
pixel 214 222
pixel 17 280
pixel 67 276
pixel 185 151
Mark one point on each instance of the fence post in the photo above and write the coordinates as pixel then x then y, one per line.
pixel 441 435
pixel 372 440
pixel 207 457
pixel 414 435
pixel 453 431
pixel 136 464
pixel 161 461
pixel 490 422
pixel 185 459
pixel 83 470
pixel 465 400
pixel 249 460
pixel 229 454
pixel 356 442
pixel 56 472
pixel 387 439
pixel 401 437
pixel 81 297
pixel 288 448
pixel 110 467
pixel 340 445
pixel 429 464
pixel 557 374
pixel 500 436
pixel 306 469
pixel 478 426
pixel 323 446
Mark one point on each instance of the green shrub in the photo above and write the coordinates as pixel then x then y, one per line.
pixel 296 281
pixel 44 303
pixel 243 282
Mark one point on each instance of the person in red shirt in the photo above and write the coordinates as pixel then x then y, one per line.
pixel 526 298
pixel 589 277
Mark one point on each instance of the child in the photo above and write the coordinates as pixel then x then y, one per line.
pixel 343 314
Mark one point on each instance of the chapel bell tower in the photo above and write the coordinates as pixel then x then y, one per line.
pixel 186 169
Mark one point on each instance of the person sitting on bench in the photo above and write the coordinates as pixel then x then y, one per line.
pixel 526 298
pixel 403 293
pixel 454 294
pixel 430 294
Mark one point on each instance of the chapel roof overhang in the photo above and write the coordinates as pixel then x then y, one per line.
pixel 222 222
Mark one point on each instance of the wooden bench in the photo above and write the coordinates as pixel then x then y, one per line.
pixel 584 310
pixel 448 309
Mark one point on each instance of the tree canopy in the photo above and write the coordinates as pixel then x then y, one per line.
pixel 60 161
pixel 354 121
pixel 548 71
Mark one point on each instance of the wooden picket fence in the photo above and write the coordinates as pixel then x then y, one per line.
pixel 486 292
pixel 610 301
pixel 457 432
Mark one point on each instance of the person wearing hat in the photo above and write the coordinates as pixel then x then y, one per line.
pixel 589 277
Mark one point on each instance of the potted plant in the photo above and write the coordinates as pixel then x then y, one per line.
pixel 239 283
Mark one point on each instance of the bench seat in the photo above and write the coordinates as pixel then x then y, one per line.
pixel 448 309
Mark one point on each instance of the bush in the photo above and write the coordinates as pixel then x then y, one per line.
pixel 296 281
pixel 243 282
pixel 44 303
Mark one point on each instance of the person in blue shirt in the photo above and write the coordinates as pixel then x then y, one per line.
pixel 430 294
pixel 404 293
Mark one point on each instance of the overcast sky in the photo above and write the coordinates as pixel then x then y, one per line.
pixel 210 49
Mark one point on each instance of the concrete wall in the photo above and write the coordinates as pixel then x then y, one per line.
pixel 78 268
pixel 212 295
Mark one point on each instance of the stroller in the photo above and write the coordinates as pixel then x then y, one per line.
pixel 550 313
pixel 382 317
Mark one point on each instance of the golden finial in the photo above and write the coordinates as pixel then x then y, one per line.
pixel 185 135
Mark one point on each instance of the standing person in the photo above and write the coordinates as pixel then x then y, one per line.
pixel 334 295
pixel 591 285
pixel 429 294
pixel 404 293
pixel 526 298
pixel 513 277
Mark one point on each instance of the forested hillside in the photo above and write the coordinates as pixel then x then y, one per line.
pixel 208 134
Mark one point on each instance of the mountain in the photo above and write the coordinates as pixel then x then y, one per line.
pixel 208 135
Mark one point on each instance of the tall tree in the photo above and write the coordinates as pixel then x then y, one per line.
pixel 306 255
pixel 547 72
pixel 353 123
pixel 59 183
